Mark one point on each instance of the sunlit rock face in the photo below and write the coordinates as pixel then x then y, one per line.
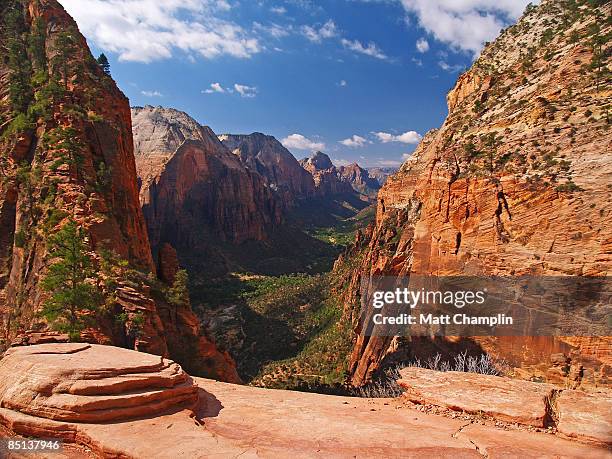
pixel 515 182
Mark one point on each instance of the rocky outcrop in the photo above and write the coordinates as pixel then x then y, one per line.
pixel 326 177
pixel 66 138
pixel 267 156
pixel 80 383
pixel 90 383
pixel 194 191
pixel 575 414
pixel 514 183
pixel 68 156
pixel 359 179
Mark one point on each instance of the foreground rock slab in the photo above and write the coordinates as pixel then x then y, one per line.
pixel 575 414
pixel 231 420
pixel 91 383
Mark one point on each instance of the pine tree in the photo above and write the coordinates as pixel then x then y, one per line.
pixel 74 298
pixel 103 62
pixel 178 294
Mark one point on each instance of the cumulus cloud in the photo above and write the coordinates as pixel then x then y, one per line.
pixel 245 91
pixel 150 30
pixel 355 141
pixel 214 87
pixel 342 83
pixel 422 45
pixel 317 35
pixel 299 142
pixel 406 137
pixel 278 9
pixel 466 24
pixel 151 93
pixel 371 49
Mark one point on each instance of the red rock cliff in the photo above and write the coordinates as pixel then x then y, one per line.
pixel 68 155
pixel 516 181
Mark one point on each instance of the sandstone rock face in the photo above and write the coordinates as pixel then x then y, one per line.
pixel 267 156
pixel 514 183
pixel 193 188
pixel 41 190
pixel 325 175
pixel 74 387
pixel 575 414
pixel 359 179
pixel 502 398
pixel 585 416
pixel 74 160
pixel 90 383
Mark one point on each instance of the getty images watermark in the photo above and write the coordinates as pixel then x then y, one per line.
pixel 486 306
pixel 411 299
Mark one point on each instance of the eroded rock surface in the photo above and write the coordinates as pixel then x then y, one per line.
pixel 91 383
pixel 515 182
pixel 229 420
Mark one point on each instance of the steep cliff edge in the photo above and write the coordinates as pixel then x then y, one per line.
pixel 194 191
pixel 67 156
pixel 516 181
pixel 267 156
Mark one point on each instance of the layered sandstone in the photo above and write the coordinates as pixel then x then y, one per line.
pixel 270 159
pixel 575 414
pixel 515 182
pixel 65 393
pixel 194 192
pixel 91 383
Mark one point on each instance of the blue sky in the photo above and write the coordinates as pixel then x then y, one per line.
pixel 361 80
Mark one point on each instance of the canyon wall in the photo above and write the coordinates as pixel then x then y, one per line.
pixel 67 156
pixel 270 159
pixel 515 182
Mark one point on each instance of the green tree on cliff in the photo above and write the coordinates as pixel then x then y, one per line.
pixel 74 298
pixel 178 294
pixel 104 64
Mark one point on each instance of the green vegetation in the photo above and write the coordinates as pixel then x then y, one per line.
pixel 288 328
pixel 102 61
pixel 178 294
pixel 74 297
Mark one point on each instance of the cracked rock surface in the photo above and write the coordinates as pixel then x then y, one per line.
pixel 232 420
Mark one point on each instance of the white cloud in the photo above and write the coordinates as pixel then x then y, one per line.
pixel 450 68
pixel 299 142
pixel 214 87
pixel 422 45
pixel 274 30
pixel 150 30
pixel 317 35
pixel 342 83
pixel 465 24
pixel 278 9
pixel 405 156
pixel 355 141
pixel 370 49
pixel 245 91
pixel 406 137
pixel 151 93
